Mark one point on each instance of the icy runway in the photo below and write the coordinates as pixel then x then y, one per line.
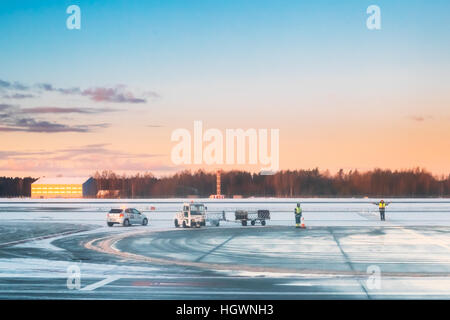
pixel 345 252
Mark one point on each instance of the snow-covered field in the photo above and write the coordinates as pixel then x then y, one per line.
pixel 40 239
pixel 345 212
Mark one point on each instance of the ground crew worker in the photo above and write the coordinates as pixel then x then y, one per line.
pixel 298 215
pixel 382 207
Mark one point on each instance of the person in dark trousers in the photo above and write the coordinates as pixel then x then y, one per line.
pixel 382 208
pixel 298 215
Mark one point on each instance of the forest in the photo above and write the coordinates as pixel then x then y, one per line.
pixel 296 183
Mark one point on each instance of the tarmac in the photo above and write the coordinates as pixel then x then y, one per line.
pixel 364 258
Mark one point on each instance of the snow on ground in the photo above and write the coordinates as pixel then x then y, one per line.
pixel 344 212
pixel 413 240
pixel 28 267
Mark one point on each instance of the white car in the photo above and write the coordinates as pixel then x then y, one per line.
pixel 125 217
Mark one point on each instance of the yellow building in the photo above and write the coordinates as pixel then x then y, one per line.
pixel 45 188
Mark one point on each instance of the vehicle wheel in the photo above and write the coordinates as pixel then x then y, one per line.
pixel 263 222
pixel 110 224
pixel 126 223
pixel 244 223
pixel 144 222
pixel 176 223
pixel 253 222
pixel 217 223
pixel 184 224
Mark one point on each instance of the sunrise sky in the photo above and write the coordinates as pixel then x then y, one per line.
pixel 108 96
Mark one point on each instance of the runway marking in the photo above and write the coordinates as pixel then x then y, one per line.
pixel 348 262
pixel 215 248
pixel 65 233
pixel 107 245
pixel 101 283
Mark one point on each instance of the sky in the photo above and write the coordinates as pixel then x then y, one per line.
pixel 109 95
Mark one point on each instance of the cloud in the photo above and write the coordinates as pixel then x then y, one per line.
pixel 7 86
pixel 5 106
pixel 420 118
pixel 152 94
pixel 19 96
pixel 91 151
pixel 116 94
pixel 85 158
pixel 50 87
pixel 15 119
pixel 32 125
pixel 100 149
pixel 58 110
pixel 44 166
pixel 9 154
pixel 12 85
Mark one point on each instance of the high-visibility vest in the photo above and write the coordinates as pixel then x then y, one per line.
pixel 382 205
pixel 298 210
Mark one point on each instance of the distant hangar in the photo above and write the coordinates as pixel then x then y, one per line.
pixel 70 187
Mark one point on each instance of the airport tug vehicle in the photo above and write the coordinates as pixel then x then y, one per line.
pixel 125 217
pixel 192 215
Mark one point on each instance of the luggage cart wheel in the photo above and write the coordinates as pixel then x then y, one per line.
pixel 244 223
pixel 253 222
pixel 263 222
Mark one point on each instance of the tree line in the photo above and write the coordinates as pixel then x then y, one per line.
pixel 288 183
pixel 15 187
